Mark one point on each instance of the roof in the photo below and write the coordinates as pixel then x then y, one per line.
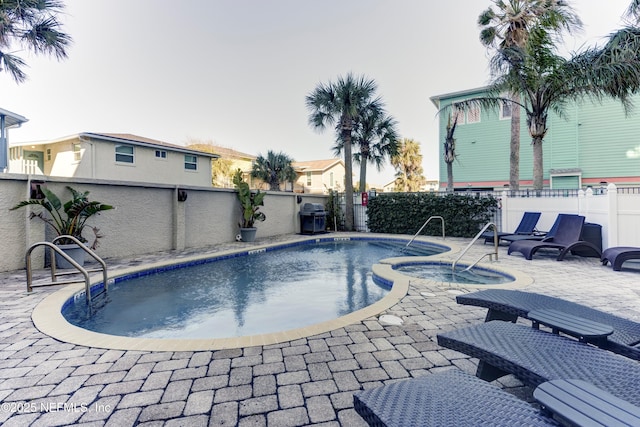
pixel 436 98
pixel 12 119
pixel 316 165
pixel 125 138
pixel 230 153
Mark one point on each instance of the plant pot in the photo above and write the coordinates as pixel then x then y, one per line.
pixel 248 234
pixel 74 251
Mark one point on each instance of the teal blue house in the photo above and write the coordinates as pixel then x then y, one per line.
pixel 593 144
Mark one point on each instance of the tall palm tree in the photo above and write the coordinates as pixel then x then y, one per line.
pixel 31 25
pixel 377 139
pixel 408 164
pixel 450 149
pixel 548 81
pixel 340 105
pixel 509 26
pixel 274 169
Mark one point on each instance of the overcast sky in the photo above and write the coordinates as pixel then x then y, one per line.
pixel 236 72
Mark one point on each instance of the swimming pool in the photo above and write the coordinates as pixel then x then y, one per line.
pixel 443 272
pixel 247 293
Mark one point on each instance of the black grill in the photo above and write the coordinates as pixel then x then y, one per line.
pixel 312 218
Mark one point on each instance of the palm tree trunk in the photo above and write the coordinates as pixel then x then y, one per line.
pixel 348 175
pixel 364 158
pixel 537 163
pixel 449 176
pixel 514 157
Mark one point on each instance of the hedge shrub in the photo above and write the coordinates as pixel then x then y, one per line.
pixel 404 213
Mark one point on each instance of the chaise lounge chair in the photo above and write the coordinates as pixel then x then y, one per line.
pixel 566 238
pixel 536 356
pixel 618 255
pixel 526 227
pixel 537 235
pixel 449 398
pixel 508 305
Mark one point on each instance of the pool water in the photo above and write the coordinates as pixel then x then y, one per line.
pixel 275 290
pixel 442 272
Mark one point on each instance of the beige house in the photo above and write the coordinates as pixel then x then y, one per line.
pixel 113 156
pixel 237 160
pixel 319 176
pixel 430 185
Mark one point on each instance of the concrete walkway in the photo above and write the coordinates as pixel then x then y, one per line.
pixel 310 381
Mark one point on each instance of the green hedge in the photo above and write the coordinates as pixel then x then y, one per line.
pixel 404 213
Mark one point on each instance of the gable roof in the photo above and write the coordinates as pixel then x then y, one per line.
pixel 316 165
pixel 122 138
pixel 230 153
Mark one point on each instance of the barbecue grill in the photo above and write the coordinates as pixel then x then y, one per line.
pixel 312 218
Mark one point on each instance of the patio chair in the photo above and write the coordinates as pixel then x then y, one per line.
pixel 617 255
pixel 537 235
pixel 449 398
pixel 566 238
pixel 526 227
pixel 504 304
pixel 536 356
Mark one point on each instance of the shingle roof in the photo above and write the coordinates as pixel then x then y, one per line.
pixel 141 140
pixel 316 165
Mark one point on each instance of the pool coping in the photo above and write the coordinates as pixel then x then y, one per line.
pixel 47 315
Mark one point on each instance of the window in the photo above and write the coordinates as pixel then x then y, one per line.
pixel 308 178
pixel 161 154
pixel 473 114
pixel 48 154
pixel 505 110
pixel 457 115
pixel 331 179
pixel 124 153
pixel 77 152
pixel 190 162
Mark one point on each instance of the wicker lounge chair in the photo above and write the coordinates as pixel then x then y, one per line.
pixel 618 255
pixel 526 227
pixel 450 398
pixel 508 305
pixel 536 356
pixel 566 238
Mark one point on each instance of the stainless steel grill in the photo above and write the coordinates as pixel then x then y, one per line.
pixel 312 218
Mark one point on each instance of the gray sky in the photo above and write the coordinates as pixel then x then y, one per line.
pixel 236 72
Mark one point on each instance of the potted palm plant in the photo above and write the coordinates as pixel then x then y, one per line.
pixel 68 219
pixel 250 203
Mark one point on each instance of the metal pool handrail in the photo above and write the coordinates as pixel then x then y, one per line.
pixel 495 245
pixel 424 225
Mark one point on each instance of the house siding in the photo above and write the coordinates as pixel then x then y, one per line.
pixel 596 138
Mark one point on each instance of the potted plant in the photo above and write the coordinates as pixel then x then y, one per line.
pixel 67 219
pixel 250 203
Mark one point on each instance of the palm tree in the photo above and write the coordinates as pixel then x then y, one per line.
pixel 509 26
pixel 450 149
pixel 377 139
pixel 548 81
pixel 408 164
pixel 340 105
pixel 31 25
pixel 274 169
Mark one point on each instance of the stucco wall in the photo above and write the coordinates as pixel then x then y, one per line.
pixel 147 218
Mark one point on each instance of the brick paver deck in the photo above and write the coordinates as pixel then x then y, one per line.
pixel 310 381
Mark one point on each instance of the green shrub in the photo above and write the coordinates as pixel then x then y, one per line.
pixel 404 213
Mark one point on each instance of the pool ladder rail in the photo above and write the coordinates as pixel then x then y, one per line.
pixel 489 254
pixel 80 269
pixel 424 225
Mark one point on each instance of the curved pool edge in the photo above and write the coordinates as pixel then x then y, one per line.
pixel 48 319
pixel 385 270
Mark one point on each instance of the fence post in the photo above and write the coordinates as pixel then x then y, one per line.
pixel 612 214
pixel 504 211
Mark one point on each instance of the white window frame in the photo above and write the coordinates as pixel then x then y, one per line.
pixel 308 178
pixel 121 156
pixel 161 154
pixel 459 113
pixel 77 152
pixel 473 109
pixel 502 106
pixel 190 162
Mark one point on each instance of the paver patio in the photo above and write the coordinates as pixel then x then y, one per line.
pixel 310 381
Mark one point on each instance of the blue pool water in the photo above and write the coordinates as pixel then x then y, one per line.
pixel 442 272
pixel 246 294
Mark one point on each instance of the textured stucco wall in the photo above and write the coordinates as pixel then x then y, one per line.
pixel 147 218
